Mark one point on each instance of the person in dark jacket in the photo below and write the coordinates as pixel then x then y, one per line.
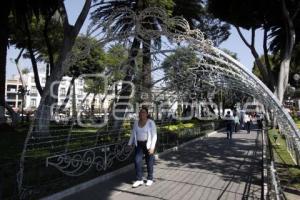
pixel 229 124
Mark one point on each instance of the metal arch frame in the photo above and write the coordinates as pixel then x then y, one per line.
pixel 223 72
pixel 231 68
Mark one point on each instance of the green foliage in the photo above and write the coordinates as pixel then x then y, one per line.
pixel 111 62
pixel 115 60
pixel 166 4
pixel 178 127
pixel 289 173
pixel 259 14
pixel 194 11
pixel 91 62
pixel 177 64
pixel 25 71
pixel 19 37
pixel 274 63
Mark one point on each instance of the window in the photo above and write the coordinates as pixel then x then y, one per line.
pixel 33 90
pixel 63 91
pixel 33 102
pixel 43 80
pixel 32 80
pixel 63 82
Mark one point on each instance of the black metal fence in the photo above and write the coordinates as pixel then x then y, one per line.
pixel 42 178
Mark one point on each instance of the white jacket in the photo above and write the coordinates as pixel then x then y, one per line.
pixel 151 134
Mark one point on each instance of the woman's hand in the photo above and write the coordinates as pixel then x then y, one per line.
pixel 151 151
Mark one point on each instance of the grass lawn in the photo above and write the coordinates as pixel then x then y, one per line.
pixel 176 127
pixel 298 123
pixel 288 171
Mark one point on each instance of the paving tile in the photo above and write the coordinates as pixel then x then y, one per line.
pixel 215 168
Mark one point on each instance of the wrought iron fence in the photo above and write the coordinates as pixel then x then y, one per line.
pixel 62 161
pixel 272 188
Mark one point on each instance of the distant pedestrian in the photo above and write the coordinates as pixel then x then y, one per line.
pixel 143 136
pixel 259 118
pixel 247 120
pixel 236 122
pixel 229 124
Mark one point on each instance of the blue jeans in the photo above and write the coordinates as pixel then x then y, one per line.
pixel 140 151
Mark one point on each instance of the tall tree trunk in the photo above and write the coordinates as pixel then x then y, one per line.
pixel 66 100
pixel 93 105
pixel 60 67
pixel 33 60
pixel 288 49
pixel 102 102
pixel 84 99
pixel 116 124
pixel 4 12
pixel 267 78
pixel 74 110
pixel 146 71
pixel 15 117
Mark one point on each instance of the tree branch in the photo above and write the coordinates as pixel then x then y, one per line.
pixel 262 68
pixel 297 11
pixel 242 37
pixel 63 13
pixel 267 60
pixel 48 45
pixel 265 40
pixel 33 60
pixel 81 18
pixel 253 37
pixel 17 64
pixel 63 106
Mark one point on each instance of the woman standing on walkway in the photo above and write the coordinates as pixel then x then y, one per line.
pixel 144 138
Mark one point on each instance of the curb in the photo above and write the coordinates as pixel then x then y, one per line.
pixel 90 183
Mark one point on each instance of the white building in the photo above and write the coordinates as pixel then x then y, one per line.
pixel 32 97
pixel 12 96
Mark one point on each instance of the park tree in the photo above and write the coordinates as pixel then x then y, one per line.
pixel 60 65
pixel 177 75
pixel 280 31
pixel 22 12
pixel 191 10
pixel 115 60
pixel 56 58
pixel 92 63
pixel 40 41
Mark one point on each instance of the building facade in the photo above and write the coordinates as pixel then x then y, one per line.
pixel 32 97
pixel 12 94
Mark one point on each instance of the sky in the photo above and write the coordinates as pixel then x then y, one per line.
pixel 233 43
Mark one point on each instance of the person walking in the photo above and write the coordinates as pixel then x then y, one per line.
pixel 229 124
pixel 247 120
pixel 236 122
pixel 144 137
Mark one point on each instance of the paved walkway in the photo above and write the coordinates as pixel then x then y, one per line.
pixel 214 168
